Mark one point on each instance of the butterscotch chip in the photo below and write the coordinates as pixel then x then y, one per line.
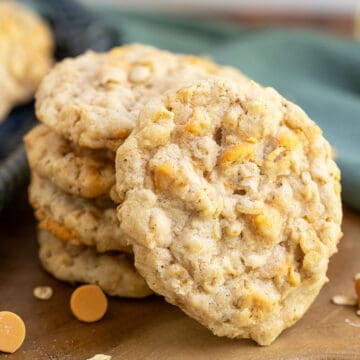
pixel 76 220
pixel 88 303
pixel 114 272
pixel 232 206
pixel 78 171
pixel 12 331
pixel 357 289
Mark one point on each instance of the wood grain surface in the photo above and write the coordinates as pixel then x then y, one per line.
pixel 153 329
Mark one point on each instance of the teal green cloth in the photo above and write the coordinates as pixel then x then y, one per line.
pixel 321 73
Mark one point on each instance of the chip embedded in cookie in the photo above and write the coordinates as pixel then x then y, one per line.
pixel 75 220
pixel 113 272
pixel 76 170
pixel 94 99
pixel 25 54
pixel 232 202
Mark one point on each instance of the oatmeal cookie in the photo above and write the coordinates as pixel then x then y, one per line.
pixel 94 99
pixel 113 272
pixel 74 219
pixel 76 170
pixel 26 48
pixel 232 205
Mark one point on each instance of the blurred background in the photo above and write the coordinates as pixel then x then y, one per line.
pixel 305 6
pixel 334 15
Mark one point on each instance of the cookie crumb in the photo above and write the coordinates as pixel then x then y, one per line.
pixel 344 300
pixel 43 292
pixel 88 303
pixel 12 331
pixel 358 312
pixel 349 322
pixel 100 357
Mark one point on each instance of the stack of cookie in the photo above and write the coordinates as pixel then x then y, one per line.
pixel 226 192
pixel 88 106
pixel 78 231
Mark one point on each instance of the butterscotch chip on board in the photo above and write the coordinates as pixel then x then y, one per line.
pixel 357 289
pixel 12 331
pixel 88 303
pixel 232 205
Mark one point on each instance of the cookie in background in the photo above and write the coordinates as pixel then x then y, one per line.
pixel 26 48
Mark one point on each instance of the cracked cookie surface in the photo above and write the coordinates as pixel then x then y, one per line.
pixel 231 201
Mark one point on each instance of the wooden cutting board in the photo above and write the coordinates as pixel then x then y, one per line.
pixel 153 329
